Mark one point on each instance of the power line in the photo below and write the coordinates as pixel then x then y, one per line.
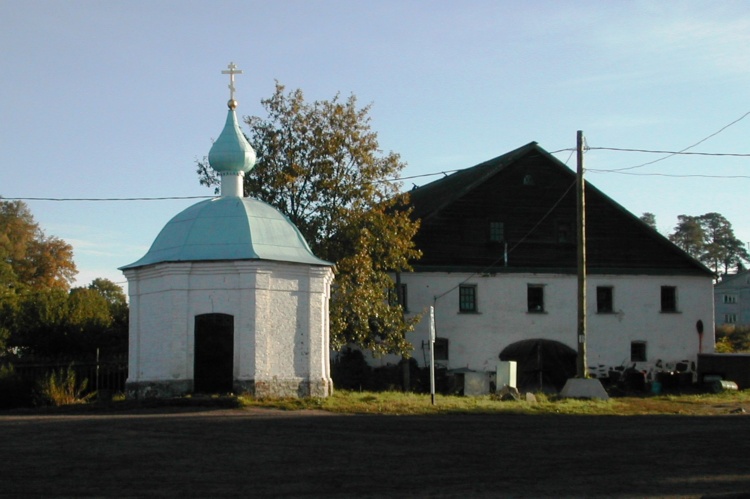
pixel 674 175
pixel 103 199
pixel 670 154
pixel 447 172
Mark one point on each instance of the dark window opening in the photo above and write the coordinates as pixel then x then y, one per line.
pixel 604 299
pixel 398 296
pixel 467 298
pixel 441 349
pixel 638 351
pixel 668 299
pixel 535 298
pixel 565 233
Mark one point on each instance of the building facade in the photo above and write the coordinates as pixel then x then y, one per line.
pixel 499 267
pixel 229 298
pixel 732 300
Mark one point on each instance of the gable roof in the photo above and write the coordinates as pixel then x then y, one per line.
pixel 532 195
pixel 429 199
pixel 734 281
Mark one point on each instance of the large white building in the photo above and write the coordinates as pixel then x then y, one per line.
pixel 229 298
pixel 499 266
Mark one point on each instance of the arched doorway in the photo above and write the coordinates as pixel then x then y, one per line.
pixel 214 353
pixel 543 365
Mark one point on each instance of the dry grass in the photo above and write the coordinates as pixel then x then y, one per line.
pixel 62 388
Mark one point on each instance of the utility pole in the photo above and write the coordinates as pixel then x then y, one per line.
pixel 581 364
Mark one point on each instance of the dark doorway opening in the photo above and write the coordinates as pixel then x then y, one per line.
pixel 214 353
pixel 542 365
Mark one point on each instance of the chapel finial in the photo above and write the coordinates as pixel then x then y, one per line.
pixel 231 71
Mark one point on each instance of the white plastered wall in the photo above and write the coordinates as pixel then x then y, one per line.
pixel 280 315
pixel 476 339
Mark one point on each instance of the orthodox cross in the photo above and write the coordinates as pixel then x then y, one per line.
pixel 231 72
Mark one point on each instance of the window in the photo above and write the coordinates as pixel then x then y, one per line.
pixel 497 232
pixel 638 351
pixel 730 299
pixel 604 301
pixel 441 348
pixel 394 298
pixel 535 298
pixel 565 232
pixel 668 299
pixel 467 298
pixel 730 318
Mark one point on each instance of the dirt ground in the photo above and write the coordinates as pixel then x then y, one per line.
pixel 201 452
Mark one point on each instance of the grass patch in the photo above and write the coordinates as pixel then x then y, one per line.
pixel 399 403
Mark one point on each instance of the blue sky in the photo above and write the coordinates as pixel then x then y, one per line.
pixel 118 99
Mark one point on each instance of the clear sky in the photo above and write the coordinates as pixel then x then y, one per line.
pixel 118 99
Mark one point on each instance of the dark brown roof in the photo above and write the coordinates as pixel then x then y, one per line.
pixel 532 194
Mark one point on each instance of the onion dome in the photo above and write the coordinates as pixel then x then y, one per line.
pixel 231 152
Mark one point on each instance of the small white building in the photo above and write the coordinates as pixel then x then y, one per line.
pixel 499 266
pixel 229 298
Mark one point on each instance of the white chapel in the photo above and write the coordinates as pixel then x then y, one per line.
pixel 229 298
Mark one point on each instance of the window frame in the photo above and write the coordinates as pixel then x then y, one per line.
pixel 441 349
pixel 541 308
pixel 601 305
pixel 496 231
pixel 638 351
pixel 668 302
pixel 462 299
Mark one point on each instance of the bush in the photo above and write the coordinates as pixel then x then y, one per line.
pixel 14 391
pixel 62 388
pixel 732 339
pixel 350 371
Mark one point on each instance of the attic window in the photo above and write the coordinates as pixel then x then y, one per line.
pixel 497 232
pixel 564 232
pixel 528 179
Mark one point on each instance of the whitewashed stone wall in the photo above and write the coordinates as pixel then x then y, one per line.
pixel 476 339
pixel 281 326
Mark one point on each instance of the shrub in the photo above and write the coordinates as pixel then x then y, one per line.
pixel 14 391
pixel 62 388
pixel 350 371
pixel 732 339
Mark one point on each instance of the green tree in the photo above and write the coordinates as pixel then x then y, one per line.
pixel 115 297
pixel 710 239
pixel 649 219
pixel 39 314
pixel 28 257
pixel 320 164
